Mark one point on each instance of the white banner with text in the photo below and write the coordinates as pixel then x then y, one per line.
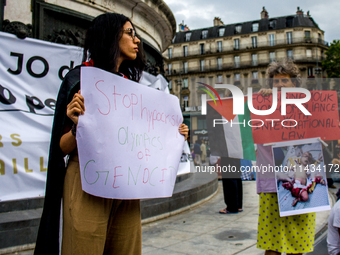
pixel 31 72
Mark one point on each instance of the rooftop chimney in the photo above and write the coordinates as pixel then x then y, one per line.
pixel 264 13
pixel 218 21
pixel 299 11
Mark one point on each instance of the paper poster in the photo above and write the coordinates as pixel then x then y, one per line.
pixel 300 175
pixel 128 141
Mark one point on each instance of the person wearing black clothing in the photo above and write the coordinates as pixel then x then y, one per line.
pixel 232 185
pixel 90 224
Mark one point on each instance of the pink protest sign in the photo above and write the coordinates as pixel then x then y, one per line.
pixel 128 141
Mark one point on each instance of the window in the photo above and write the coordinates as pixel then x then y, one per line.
pixel 238 29
pixel 307 34
pixel 254 41
pixel 219 63
pixel 187 37
pixel 211 79
pixel 185 102
pixel 236 44
pixel 255 75
pixel 290 54
pixel 219 46
pixel 170 85
pixel 237 61
pixel 185 67
pixel 170 53
pixel 237 77
pixel 185 51
pixel 289 37
pixel 202 49
pixel 204 34
pixel 308 53
pixel 310 71
pixel 272 40
pixel 202 79
pixel 255 27
pixel 272 24
pixel 202 63
pixel 219 78
pixel 289 22
pixel 201 124
pixel 185 83
pixel 228 78
pixel 169 68
pixel 271 56
pixel 221 31
pixel 254 59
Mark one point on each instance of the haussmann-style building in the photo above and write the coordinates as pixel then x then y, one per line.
pixel 239 54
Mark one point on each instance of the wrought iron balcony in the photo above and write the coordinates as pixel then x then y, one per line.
pixel 250 46
pixel 239 65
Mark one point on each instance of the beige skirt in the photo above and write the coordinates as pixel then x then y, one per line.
pixel 94 225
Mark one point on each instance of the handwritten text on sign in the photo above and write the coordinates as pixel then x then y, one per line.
pixel 128 141
pixel 324 121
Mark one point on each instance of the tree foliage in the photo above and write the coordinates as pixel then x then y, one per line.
pixel 331 64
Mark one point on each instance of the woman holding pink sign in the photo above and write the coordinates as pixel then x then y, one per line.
pixel 90 225
pixel 276 235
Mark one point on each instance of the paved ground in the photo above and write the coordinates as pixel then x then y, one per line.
pixel 202 230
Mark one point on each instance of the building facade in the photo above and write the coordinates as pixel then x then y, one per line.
pixel 239 54
pixel 65 21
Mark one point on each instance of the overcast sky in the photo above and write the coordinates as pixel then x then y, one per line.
pixel 200 13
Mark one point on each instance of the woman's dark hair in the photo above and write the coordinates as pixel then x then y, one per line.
pixel 102 46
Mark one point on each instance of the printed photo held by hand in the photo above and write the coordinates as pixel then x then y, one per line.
pixel 301 178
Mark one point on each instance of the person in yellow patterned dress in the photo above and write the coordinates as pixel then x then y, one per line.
pixel 291 234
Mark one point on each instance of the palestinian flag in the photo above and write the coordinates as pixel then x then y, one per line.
pixel 231 136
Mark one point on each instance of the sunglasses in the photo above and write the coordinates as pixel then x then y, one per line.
pixel 131 32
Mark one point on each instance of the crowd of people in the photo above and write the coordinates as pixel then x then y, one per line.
pixel 93 225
